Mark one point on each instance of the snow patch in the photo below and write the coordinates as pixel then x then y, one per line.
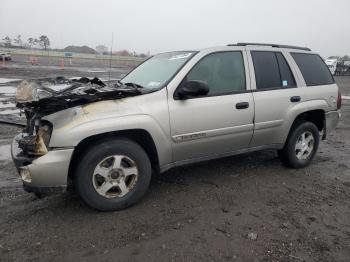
pixel 7 90
pixel 58 88
pixel 6 80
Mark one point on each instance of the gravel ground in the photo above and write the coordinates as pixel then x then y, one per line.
pixel 20 67
pixel 241 208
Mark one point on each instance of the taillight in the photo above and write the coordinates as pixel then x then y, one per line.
pixel 339 100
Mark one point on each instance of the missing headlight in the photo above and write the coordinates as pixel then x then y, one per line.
pixel 44 131
pixel 38 143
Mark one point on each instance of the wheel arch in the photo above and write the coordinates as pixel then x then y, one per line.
pixel 140 136
pixel 315 116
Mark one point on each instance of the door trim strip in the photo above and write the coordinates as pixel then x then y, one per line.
pixel 213 132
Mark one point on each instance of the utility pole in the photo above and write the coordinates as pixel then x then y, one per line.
pixel 110 59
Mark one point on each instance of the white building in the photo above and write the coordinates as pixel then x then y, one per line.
pixel 102 49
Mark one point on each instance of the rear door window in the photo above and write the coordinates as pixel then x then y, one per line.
pixel 313 69
pixel 271 70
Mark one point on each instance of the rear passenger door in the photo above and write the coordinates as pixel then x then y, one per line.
pixel 275 93
pixel 319 83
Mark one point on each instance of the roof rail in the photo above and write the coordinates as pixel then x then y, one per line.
pixel 272 45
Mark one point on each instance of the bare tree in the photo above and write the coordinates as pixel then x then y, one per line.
pixel 8 41
pixel 44 41
pixel 36 42
pixel 340 58
pixel 345 58
pixel 18 41
pixel 122 53
pixel 31 42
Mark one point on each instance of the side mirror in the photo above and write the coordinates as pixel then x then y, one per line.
pixel 192 88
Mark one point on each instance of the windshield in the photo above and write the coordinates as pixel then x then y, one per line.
pixel 158 70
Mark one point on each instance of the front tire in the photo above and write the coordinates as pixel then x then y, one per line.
pixel 301 145
pixel 113 175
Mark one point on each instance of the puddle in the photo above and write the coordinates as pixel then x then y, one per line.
pixel 74 77
pixel 7 105
pixel 10 95
pixel 5 153
pixel 97 71
pixel 8 90
pixel 10 111
pixel 4 99
pixel 6 80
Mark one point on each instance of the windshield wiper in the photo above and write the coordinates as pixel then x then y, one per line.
pixel 121 85
pixel 134 85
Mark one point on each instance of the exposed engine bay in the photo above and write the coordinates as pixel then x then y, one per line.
pixel 41 97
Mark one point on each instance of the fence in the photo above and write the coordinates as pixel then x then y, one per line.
pixel 51 53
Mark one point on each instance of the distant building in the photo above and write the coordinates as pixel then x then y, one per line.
pixel 332 65
pixel 79 49
pixel 102 49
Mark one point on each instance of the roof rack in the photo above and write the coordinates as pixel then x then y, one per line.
pixel 272 45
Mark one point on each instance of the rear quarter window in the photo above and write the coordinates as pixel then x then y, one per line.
pixel 271 70
pixel 313 69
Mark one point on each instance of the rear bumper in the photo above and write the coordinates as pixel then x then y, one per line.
pixel 47 173
pixel 332 120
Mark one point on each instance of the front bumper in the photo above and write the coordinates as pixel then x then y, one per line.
pixel 332 119
pixel 47 173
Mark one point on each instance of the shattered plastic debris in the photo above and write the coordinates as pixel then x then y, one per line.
pixel 27 91
pixel 252 236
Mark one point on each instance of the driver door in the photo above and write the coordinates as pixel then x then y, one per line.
pixel 219 122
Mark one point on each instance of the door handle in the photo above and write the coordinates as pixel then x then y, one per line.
pixel 242 105
pixel 295 99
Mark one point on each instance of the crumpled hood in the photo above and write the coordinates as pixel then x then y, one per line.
pixel 37 89
pixel 97 110
pixel 50 95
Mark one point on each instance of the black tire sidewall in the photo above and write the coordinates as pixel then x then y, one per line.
pixel 292 159
pixel 95 154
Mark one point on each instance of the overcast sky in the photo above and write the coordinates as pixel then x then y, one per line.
pixel 165 25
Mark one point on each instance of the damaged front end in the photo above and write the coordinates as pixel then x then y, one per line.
pixel 41 97
pixel 36 144
pixel 36 99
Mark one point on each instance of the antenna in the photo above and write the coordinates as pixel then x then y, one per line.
pixel 110 60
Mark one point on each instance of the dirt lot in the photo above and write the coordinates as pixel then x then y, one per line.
pixel 202 212
pixel 20 67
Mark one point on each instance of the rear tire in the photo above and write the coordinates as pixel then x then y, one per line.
pixel 301 145
pixel 113 175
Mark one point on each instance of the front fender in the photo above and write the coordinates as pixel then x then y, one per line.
pixel 70 134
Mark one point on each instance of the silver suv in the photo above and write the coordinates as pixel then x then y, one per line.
pixel 174 109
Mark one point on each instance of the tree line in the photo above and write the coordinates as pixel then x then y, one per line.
pixel 42 42
pixel 340 58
